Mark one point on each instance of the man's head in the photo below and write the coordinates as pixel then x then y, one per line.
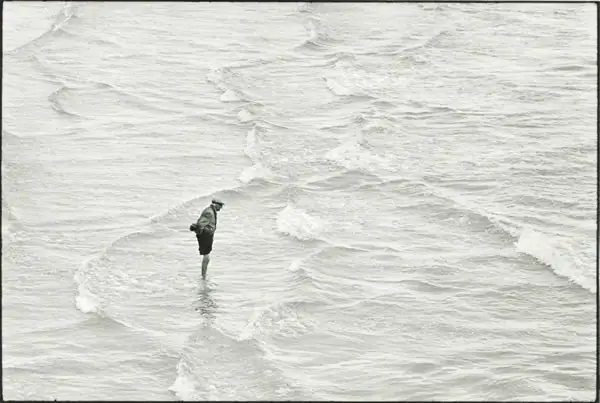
pixel 217 203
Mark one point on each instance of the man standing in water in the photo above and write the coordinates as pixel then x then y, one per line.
pixel 205 229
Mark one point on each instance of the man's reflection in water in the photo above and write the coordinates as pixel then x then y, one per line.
pixel 205 304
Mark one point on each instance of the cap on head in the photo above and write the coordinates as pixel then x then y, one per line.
pixel 218 201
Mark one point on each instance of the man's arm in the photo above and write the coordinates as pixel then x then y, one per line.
pixel 206 221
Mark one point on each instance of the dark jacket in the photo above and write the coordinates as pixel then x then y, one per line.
pixel 207 220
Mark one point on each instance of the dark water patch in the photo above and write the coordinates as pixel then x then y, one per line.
pixel 568 68
pixel 389 185
pixel 428 288
pixel 386 105
pixel 544 202
pixel 346 180
pixel 462 185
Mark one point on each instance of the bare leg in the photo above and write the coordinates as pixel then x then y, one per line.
pixel 205 260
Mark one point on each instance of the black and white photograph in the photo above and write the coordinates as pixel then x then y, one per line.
pixel 299 201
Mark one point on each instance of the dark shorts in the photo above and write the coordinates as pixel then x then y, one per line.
pixel 205 242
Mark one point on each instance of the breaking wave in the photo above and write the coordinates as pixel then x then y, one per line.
pixel 297 223
pixel 560 256
pixel 257 170
pixel 353 155
pixel 550 250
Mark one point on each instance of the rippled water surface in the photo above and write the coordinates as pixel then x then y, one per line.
pixel 410 201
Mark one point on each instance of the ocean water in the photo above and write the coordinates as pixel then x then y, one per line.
pixel 410 201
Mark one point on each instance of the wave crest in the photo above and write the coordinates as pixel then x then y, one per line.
pixel 297 223
pixel 230 194
pixel 61 19
pixel 354 156
pixel 555 252
pixel 337 88
pixel 10 224
pixel 211 359
pixel 87 99
pixel 558 254
pixel 231 96
pixel 318 39
pixel 256 171
pixel 281 318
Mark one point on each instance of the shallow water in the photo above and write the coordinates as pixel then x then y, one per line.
pixel 410 201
